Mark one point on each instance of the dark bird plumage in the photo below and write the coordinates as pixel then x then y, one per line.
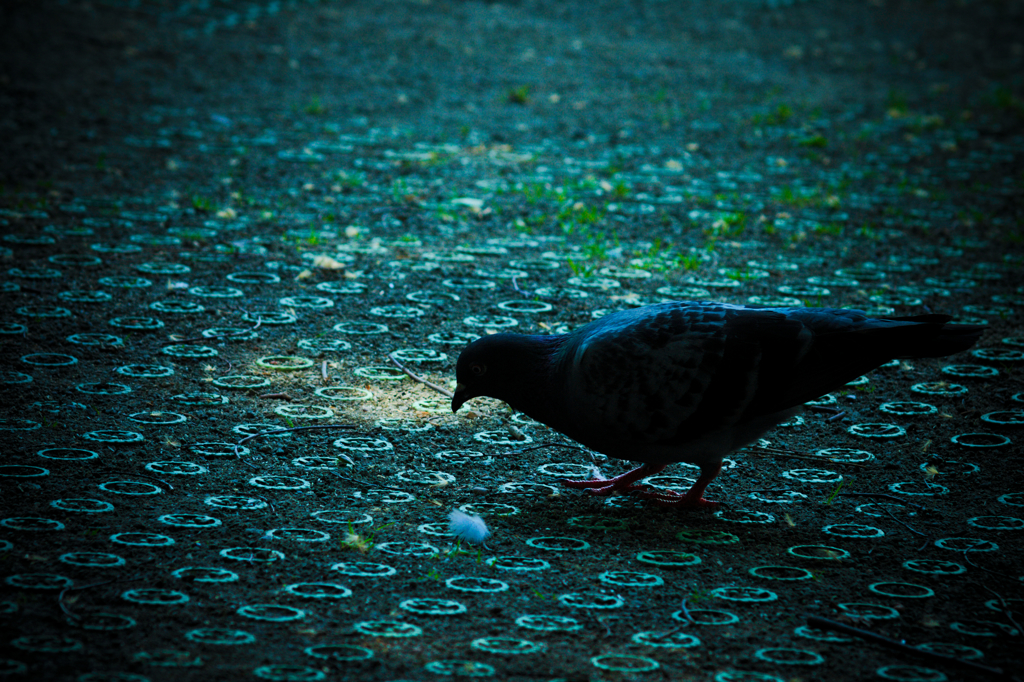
pixel 690 381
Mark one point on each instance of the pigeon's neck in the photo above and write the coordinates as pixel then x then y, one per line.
pixel 533 389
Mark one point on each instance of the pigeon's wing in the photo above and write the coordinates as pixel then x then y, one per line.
pixel 655 374
pixel 845 344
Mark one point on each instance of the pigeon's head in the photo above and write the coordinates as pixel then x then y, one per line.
pixel 481 370
pixel 502 366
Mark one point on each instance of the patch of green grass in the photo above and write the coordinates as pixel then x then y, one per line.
pixel 869 232
pixel 739 275
pixel 1004 98
pixel 689 262
pixel 834 493
pixel 797 197
pixel 697 596
pixel 432 574
pixel 201 203
pixel 778 116
pixel 518 95
pixel 576 216
pixel 925 123
pixel 399 189
pixel 578 270
pixel 727 225
pixel 534 192
pixel 314 107
pixel 192 236
pixel 830 229
pixel 652 252
pixel 816 140
pixel 351 180
pixel 362 542
pixel 896 103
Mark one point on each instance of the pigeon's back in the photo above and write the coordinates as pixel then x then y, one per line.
pixel 668 375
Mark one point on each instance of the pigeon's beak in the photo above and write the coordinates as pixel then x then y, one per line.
pixel 461 396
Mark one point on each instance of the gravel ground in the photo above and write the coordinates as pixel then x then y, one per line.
pixel 221 219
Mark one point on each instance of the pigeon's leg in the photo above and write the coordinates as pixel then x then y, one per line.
pixel 622 483
pixel 694 497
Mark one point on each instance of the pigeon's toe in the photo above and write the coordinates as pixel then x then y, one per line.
pixel 592 483
pixel 622 483
pixel 602 487
pixel 677 501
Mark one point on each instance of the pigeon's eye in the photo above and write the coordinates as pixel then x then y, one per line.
pixel 477 369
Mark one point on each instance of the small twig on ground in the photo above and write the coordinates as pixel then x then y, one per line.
pixel 884 496
pixel 1007 611
pixel 1006 608
pixel 280 396
pixel 827 624
pixel 823 409
pixel 60 597
pixel 666 635
pixel 546 445
pixel 686 611
pixel 218 336
pixel 838 415
pixel 132 473
pixel 775 452
pixel 364 483
pixel 768 448
pixel 294 428
pixel 903 523
pixel 443 391
pixel 988 570
pixel 515 285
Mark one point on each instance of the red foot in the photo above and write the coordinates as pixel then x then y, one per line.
pixel 677 501
pixel 627 482
pixel 623 483
pixel 599 488
pixel 692 499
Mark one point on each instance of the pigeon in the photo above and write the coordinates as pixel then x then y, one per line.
pixel 689 381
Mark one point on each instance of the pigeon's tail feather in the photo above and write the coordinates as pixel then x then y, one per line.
pixel 837 358
pixel 918 336
pixel 948 339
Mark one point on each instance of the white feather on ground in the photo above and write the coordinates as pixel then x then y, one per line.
pixel 468 527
